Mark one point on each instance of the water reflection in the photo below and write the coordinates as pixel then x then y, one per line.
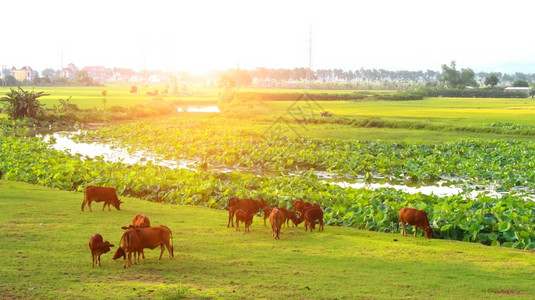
pixel 110 152
pixel 203 109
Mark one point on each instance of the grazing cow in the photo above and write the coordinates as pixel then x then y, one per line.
pixel 98 247
pixel 134 240
pixel 289 215
pixel 249 205
pixel 99 194
pixel 301 205
pixel 310 215
pixel 266 210
pixel 276 218
pixel 130 243
pixel 246 217
pixel 140 221
pixel 415 217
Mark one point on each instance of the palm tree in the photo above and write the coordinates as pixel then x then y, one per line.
pixel 20 103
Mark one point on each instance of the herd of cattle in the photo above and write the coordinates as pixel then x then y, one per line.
pixel 141 235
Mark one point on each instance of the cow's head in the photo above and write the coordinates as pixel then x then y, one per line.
pixel 118 204
pixel 119 253
pixel 428 232
pixel 107 247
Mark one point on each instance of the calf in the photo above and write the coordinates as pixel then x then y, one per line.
pixel 310 216
pixel 98 247
pixel 415 217
pixel 249 205
pixel 232 206
pixel 244 216
pixel 276 218
pixel 301 205
pixel 289 215
pixel 140 221
pixel 134 240
pixel 101 194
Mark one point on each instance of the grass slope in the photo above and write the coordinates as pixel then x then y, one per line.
pixel 44 254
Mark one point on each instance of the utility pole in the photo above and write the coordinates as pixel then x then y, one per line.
pixel 308 76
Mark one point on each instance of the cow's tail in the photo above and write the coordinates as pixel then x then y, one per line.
pixel 172 248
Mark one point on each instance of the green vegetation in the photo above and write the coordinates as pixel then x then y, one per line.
pixel 273 149
pixel 506 221
pixel 20 104
pixel 44 254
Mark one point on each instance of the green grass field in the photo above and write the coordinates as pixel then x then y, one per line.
pixel 44 254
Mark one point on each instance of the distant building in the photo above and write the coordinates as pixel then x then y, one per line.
pixel 98 73
pixel 24 74
pixel 69 71
pixel 517 89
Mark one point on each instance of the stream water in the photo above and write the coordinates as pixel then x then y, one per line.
pixel 109 152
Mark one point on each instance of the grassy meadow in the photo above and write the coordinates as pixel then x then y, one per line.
pixel 44 254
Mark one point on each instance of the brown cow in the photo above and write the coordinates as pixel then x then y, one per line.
pixel 310 215
pixel 276 218
pixel 134 240
pixel 140 221
pixel 301 205
pixel 244 216
pixel 415 217
pixel 99 194
pixel 98 247
pixel 289 215
pixel 249 205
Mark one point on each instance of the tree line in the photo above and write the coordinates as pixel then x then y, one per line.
pixel 298 77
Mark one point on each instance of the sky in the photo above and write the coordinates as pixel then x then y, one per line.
pixel 202 35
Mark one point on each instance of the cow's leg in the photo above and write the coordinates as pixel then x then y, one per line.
pixel 161 251
pixel 124 265
pixel 104 206
pixel 130 258
pixel 98 256
pixel 89 204
pixel 230 217
pixel 404 229
pixel 93 259
pixel 415 230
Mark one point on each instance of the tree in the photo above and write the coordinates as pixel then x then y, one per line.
pixel 83 78
pixel 491 80
pixel 520 83
pixel 50 73
pixel 450 76
pixel 455 79
pixel 10 81
pixel 468 78
pixel 20 103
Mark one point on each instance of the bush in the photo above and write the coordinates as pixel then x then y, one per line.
pixel 473 93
